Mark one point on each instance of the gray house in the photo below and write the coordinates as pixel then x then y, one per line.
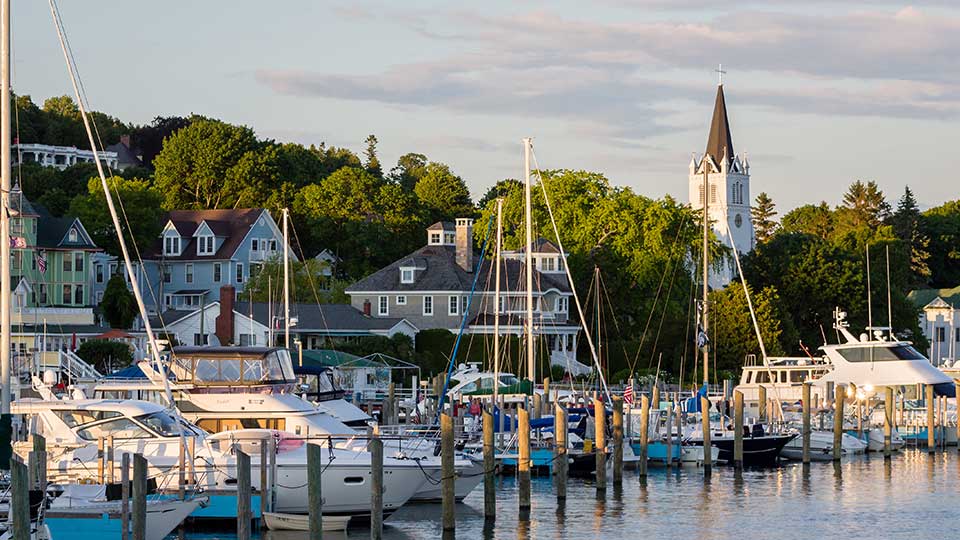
pixel 431 286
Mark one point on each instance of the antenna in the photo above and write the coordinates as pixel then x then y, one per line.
pixel 889 304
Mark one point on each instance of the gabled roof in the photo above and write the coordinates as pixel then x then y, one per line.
pixel 125 155
pixel 322 317
pixel 442 273
pixel 53 233
pixel 442 226
pixel 541 245
pixel 923 298
pixel 231 224
pixel 20 204
pixel 720 143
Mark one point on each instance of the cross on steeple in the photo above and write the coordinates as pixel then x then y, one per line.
pixel 720 73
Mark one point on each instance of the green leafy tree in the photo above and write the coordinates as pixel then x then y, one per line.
pixel 815 219
pixel 733 334
pixel 941 225
pixel 138 204
pixel 308 284
pixel 148 139
pixel 409 170
pixel 444 194
pixel 373 163
pixel 906 226
pixel 763 215
pixel 500 189
pixel 118 305
pixel 105 355
pixel 863 206
pixel 211 164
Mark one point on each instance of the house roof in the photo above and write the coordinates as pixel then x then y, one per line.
pixel 442 226
pixel 322 317
pixel 52 234
pixel 231 224
pixel 442 273
pixel 541 245
pixel 20 204
pixel 125 155
pixel 921 298
pixel 720 139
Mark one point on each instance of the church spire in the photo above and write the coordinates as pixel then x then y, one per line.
pixel 720 143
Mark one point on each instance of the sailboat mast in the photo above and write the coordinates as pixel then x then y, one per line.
pixel 496 302
pixel 5 174
pixel 706 274
pixel 286 281
pixel 528 257
pixel 596 284
pixel 869 296
pixel 889 304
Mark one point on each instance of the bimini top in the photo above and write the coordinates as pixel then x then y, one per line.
pixel 121 407
pixel 232 366
pixel 224 351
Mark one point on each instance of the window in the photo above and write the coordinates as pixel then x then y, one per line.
pixel 201 339
pixel 72 235
pixel 78 295
pixel 171 245
pixel 205 245
pixel 713 193
pixel 428 305
pixel 67 293
pixel 16 226
pixel 255 244
pixel 78 261
pixel 880 354
pixel 121 428
pixel 67 263
pixel 406 275
pixel 248 340
pixel 273 245
pixel 454 305
pixel 42 294
pixel 701 194
pixel 562 304
pixel 167 300
pixel 449 238
pixel 941 334
pixel 500 303
pixel 167 275
pixel 548 264
pixel 401 300
pixel 958 336
pixel 217 272
pixel 98 270
pixel 435 238
pixel 239 272
pixel 188 272
pixel 383 305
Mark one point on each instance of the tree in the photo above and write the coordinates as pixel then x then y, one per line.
pixel 210 164
pixel 372 164
pixel 443 193
pixel 148 139
pixel 500 189
pixel 118 305
pixel 105 355
pixel 941 225
pixel 863 206
pixel 138 206
pixel 906 226
pixel 733 334
pixel 763 215
pixel 815 219
pixel 409 170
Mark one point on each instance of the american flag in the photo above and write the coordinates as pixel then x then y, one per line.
pixel 628 394
pixel 42 262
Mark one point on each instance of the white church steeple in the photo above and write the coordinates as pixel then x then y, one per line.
pixel 728 175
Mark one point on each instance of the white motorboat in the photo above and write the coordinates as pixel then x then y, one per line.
pixel 301 522
pixel 821 446
pixel 73 428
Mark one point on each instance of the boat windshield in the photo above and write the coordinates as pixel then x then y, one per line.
pixel 121 428
pixel 508 380
pixel 874 353
pixel 160 422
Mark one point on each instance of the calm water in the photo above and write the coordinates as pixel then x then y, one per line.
pixel 915 496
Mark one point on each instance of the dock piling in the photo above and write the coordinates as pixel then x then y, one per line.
pixel 19 500
pixel 600 442
pixel 244 490
pixel 838 423
pixel 956 386
pixel 669 434
pixel 705 419
pixel 125 496
pixel 644 434
pixel 489 486
pixel 376 487
pixel 737 430
pixel 617 440
pixel 314 491
pixel 887 422
pixel 447 492
pixel 805 398
pixel 931 419
pixel 762 404
pixel 560 451
pixel 139 517
pixel 523 458
pixel 38 463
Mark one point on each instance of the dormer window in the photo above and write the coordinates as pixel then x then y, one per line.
pixel 449 238
pixel 205 245
pixel 72 235
pixel 406 275
pixel 436 239
pixel 548 264
pixel 171 245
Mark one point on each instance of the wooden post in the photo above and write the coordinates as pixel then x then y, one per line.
pixel 737 430
pixel 193 457
pixel 560 451
pixel 489 464
pixel 655 397
pixel 705 418
pixel 838 423
pixel 19 499
pixel 726 398
pixel 546 395
pixel 264 480
pixel 125 496
pixel 447 492
pixel 523 458
pixel 888 422
pixel 600 433
pixel 669 433
pixel 644 434
pixel 617 440
pixel 376 487
pixel 38 463
pixel 931 423
pixel 140 497
pixel 392 401
pixel 314 490
pixel 762 403
pixel 110 458
pixel 537 405
pixel 100 457
pixel 243 496
pixel 956 386
pixel 806 422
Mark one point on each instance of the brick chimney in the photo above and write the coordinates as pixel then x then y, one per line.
pixel 465 243
pixel 125 140
pixel 225 321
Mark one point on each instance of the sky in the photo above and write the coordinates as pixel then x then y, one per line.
pixel 819 93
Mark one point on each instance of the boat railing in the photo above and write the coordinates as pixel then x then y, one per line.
pixel 77 368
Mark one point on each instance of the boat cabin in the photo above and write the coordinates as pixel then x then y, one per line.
pixel 232 366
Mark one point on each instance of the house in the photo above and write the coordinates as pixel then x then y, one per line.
pixel 126 156
pixel 249 324
pixel 431 287
pixel 940 322
pixel 102 268
pixel 200 251
pixel 59 157
pixel 50 257
pixel 328 263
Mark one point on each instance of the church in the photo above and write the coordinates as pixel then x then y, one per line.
pixel 728 182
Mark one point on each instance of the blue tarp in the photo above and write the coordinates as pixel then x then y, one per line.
pixel 692 404
pixel 130 372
